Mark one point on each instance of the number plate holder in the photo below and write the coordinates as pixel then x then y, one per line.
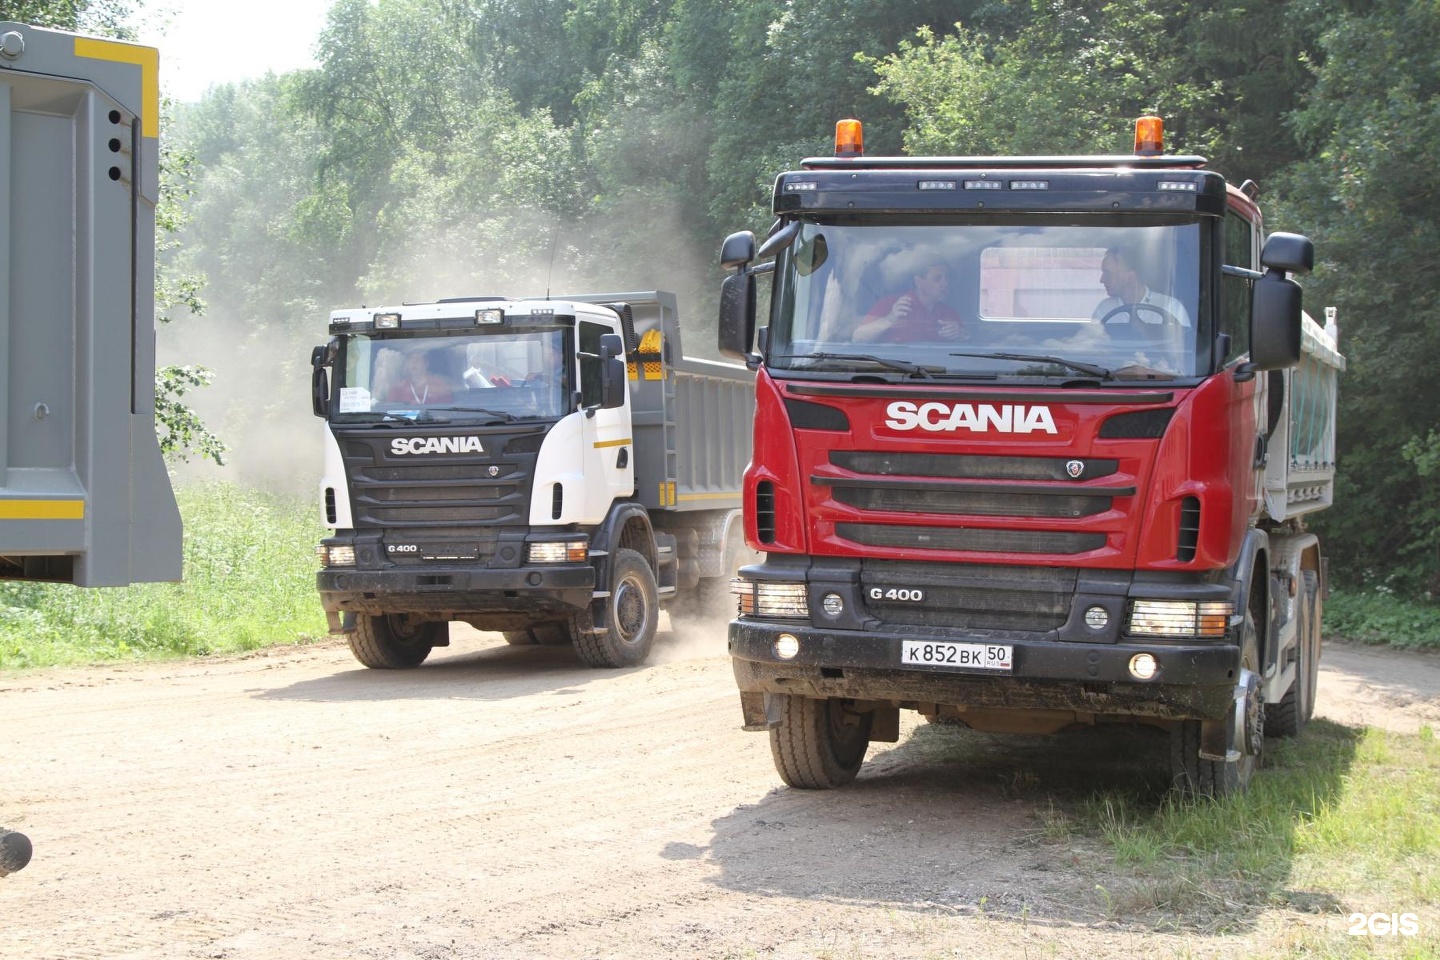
pixel 963 657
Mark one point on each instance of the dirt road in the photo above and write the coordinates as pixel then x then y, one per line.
pixel 505 802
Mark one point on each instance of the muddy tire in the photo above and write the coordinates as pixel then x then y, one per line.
pixel 819 745
pixel 632 614
pixel 1195 776
pixel 394 641
pixel 1288 717
pixel 711 599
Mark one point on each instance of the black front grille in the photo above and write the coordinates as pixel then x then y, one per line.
pixel 441 490
pixel 977 503
pixel 970 467
pixel 962 538
pixel 969 596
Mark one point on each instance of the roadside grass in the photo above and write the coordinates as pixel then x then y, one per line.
pixel 1340 821
pixel 1378 616
pixel 249 582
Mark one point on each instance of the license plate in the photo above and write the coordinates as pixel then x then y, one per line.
pixel 956 656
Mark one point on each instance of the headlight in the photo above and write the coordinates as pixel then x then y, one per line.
pixel 558 551
pixel 765 598
pixel 335 555
pixel 1180 619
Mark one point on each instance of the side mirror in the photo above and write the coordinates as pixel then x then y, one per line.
pixel 737 250
pixel 612 371
pixel 1274 322
pixel 737 315
pixel 1289 252
pixel 319 382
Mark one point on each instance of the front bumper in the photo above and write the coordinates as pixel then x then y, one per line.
pixel 459 592
pixel 1194 680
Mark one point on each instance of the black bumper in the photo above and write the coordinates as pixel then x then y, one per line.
pixel 459 592
pixel 1195 680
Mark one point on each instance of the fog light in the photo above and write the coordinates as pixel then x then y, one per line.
pixel 1143 666
pixel 787 645
pixel 387 321
pixel 1096 618
pixel 833 604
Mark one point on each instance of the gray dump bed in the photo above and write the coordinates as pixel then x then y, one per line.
pixel 693 418
pixel 84 495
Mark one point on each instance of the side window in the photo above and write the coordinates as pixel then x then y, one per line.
pixel 590 362
pixel 1235 291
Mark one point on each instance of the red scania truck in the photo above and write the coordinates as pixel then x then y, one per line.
pixel 1035 440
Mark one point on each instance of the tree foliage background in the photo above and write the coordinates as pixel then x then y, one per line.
pixel 448 147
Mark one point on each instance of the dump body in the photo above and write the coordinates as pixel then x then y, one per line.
pixel 84 495
pixel 501 471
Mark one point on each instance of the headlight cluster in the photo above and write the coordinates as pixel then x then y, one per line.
pixel 558 551
pixel 764 598
pixel 1180 619
pixel 336 555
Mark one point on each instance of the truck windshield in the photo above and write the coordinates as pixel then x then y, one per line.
pixel 505 375
pixel 993 300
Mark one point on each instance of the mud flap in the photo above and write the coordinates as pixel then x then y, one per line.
pixel 761 711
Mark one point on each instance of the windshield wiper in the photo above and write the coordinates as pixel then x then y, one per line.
pixel 903 366
pixel 1089 369
pixel 501 414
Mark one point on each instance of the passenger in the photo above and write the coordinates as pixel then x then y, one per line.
pixel 1126 291
pixel 918 315
pixel 419 384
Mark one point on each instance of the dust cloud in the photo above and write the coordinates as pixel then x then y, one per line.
pixel 690 639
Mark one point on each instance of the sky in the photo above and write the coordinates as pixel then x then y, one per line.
pixel 207 42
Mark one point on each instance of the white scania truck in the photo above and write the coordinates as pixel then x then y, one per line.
pixel 554 469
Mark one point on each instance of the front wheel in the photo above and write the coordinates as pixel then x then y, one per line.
pixel 394 641
pixel 1195 775
pixel 632 614
pixel 819 744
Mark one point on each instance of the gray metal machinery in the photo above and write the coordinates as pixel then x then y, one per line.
pixel 84 495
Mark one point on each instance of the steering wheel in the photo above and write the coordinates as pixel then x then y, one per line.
pixel 1151 330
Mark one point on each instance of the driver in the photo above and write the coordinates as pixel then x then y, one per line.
pixel 1124 288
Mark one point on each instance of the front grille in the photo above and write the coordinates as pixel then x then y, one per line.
pixel 976 503
pixel 960 538
pixel 969 467
pixel 443 490
pixel 970 596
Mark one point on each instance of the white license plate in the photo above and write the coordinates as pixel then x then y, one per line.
pixel 956 656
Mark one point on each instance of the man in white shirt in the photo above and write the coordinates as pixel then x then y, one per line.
pixel 1131 301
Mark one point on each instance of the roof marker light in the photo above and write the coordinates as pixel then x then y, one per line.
pixel 1185 186
pixel 984 185
pixel 1029 184
pixel 849 139
pixel 1149 136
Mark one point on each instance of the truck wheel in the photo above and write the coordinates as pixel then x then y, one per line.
pixel 1194 775
pixel 393 642
pixel 711 597
pixel 1288 717
pixel 819 744
pixel 631 616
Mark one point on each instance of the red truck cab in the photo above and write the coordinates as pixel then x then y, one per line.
pixel 1014 422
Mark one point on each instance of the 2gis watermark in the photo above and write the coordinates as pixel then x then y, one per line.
pixel 1382 924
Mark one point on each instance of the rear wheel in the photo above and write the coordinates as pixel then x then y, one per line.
pixel 631 616
pixel 1288 717
pixel 711 597
pixel 1198 776
pixel 394 641
pixel 819 744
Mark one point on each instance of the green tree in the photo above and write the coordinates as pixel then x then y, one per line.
pixel 1369 194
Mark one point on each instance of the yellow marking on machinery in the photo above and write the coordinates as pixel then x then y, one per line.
pixel 611 443
pixel 651 344
pixel 730 495
pixel 42 509
pixel 667 493
pixel 146 58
